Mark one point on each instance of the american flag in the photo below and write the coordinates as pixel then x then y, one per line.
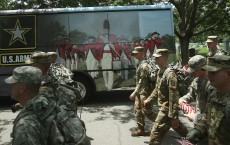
pixel 181 140
pixel 186 108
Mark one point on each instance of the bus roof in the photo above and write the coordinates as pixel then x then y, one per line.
pixel 86 9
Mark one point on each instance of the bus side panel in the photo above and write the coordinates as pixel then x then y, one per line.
pixel 98 41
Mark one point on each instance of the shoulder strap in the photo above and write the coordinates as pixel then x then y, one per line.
pixel 166 72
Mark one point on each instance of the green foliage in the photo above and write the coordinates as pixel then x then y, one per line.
pixel 4 5
pixel 167 43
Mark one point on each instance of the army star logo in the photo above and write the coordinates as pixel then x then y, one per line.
pixel 17 33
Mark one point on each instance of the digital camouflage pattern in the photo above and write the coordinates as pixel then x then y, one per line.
pixel 62 118
pixel 25 74
pixel 167 93
pixel 142 91
pixel 28 128
pixel 198 91
pixel 217 121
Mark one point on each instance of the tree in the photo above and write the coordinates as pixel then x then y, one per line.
pixel 4 5
pixel 195 17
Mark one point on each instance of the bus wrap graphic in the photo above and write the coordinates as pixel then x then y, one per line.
pixel 14 58
pixel 18 32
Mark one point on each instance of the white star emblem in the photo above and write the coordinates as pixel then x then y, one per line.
pixel 17 33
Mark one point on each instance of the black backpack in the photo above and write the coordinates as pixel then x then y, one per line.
pixel 184 80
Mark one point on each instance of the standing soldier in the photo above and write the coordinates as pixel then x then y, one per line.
pixel 215 125
pixel 213 47
pixel 167 93
pixel 141 92
pixel 110 51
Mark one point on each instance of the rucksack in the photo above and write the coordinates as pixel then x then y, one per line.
pixel 152 71
pixel 184 80
pixel 62 124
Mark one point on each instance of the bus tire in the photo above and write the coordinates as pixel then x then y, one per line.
pixel 85 89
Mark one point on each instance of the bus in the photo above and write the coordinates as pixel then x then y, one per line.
pixel 95 43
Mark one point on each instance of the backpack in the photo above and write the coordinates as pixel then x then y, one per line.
pixel 59 111
pixel 184 80
pixel 152 71
pixel 61 126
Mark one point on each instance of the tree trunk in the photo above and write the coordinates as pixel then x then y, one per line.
pixel 184 43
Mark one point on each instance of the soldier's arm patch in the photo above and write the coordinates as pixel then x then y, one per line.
pixel 144 71
pixel 172 80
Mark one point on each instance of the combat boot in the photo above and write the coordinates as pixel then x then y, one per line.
pixel 139 132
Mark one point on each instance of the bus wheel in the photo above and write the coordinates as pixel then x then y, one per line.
pixel 85 90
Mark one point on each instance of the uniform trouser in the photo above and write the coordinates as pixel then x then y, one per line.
pixel 141 112
pixel 161 127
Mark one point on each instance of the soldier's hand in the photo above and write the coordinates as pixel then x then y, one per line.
pixel 182 101
pixel 175 122
pixel 190 115
pixel 132 96
pixel 194 136
pixel 146 103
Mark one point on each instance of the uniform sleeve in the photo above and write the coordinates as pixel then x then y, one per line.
pixel 153 96
pixel 173 95
pixel 143 77
pixel 27 132
pixel 191 95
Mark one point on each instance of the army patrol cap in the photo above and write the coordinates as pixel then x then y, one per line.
pixel 41 57
pixel 138 49
pixel 211 39
pixel 161 52
pixel 217 63
pixel 195 63
pixel 25 74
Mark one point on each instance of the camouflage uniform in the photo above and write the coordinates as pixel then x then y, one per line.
pixel 167 93
pixel 27 127
pixel 217 120
pixel 143 90
pixel 198 92
pixel 57 91
pixel 213 39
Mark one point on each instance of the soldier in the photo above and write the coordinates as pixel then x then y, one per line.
pixel 167 93
pixel 57 86
pixel 141 92
pixel 215 125
pixel 27 129
pixel 198 88
pixel 213 47
pixel 42 61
